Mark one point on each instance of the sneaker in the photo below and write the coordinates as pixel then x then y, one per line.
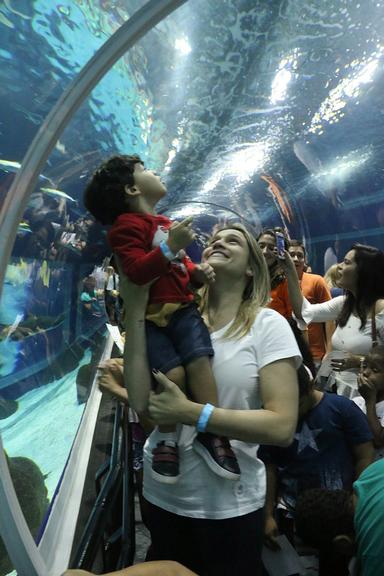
pixel 165 462
pixel 217 453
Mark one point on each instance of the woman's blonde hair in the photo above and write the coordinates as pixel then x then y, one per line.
pixel 331 276
pixel 257 291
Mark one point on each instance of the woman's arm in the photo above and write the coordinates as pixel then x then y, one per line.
pixel 156 568
pixel 304 310
pixel 274 424
pixel 294 290
pixel 271 531
pixel 137 378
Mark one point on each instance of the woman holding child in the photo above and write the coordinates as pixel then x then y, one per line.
pixel 212 525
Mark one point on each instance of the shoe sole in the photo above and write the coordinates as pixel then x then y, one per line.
pixel 164 479
pixel 212 465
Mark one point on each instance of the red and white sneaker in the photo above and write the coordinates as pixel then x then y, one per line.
pixel 165 462
pixel 217 453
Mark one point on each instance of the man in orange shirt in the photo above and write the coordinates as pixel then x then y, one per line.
pixel 315 290
pixel 279 286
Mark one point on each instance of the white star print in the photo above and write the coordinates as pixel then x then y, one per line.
pixel 307 438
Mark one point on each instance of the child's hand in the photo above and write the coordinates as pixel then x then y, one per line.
pixel 366 388
pixel 180 235
pixel 203 274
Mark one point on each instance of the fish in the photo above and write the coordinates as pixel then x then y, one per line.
pixel 4 20
pixel 14 166
pixel 10 164
pixel 279 196
pixel 59 193
pixel 24 227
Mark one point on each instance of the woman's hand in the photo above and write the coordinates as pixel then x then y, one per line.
pixel 347 363
pixel 171 405
pixel 288 264
pixel 366 389
pixel 271 532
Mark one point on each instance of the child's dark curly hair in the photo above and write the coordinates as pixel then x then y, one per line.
pixel 104 196
pixel 321 514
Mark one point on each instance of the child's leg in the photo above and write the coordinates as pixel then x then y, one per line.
pixel 165 456
pixel 201 382
pixel 216 451
pixel 177 375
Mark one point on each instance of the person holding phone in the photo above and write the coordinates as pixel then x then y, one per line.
pixel 315 290
pixel 150 248
pixel 359 313
pixel 273 244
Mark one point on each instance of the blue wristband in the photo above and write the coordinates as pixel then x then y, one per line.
pixel 167 252
pixel 205 415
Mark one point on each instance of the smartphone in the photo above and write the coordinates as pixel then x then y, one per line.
pixel 280 244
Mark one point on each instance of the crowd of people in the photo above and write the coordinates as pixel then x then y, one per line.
pixel 240 430
pixel 51 230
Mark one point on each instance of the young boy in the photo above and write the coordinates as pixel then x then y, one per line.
pixel 371 401
pixel 124 194
pixel 339 521
pixel 332 446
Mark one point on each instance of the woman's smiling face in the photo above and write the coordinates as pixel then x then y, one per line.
pixel 228 250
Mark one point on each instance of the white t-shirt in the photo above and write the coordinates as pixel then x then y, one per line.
pixel 199 493
pixel 347 339
pixel 359 400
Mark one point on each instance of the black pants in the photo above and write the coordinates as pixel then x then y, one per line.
pixel 230 547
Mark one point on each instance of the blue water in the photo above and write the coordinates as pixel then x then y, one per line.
pixel 49 416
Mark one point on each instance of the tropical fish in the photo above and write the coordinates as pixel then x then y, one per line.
pixel 4 20
pixel 14 166
pixel 24 227
pixel 45 273
pixel 55 192
pixel 279 196
pixel 10 164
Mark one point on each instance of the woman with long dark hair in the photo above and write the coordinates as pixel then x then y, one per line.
pixel 359 313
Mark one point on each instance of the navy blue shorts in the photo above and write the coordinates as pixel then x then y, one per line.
pixel 185 338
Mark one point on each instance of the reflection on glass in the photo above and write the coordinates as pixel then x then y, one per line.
pixel 50 343
pixel 29 483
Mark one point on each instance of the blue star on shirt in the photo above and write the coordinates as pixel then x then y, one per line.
pixel 306 437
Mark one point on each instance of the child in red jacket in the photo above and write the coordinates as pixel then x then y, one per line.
pixel 150 247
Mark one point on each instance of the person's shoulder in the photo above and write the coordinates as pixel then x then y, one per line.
pixel 269 314
pixel 269 321
pixel 315 279
pixel 344 404
pixel 131 222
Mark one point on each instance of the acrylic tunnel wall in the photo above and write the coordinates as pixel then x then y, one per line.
pixel 269 112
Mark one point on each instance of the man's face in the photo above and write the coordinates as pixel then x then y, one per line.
pixel 298 257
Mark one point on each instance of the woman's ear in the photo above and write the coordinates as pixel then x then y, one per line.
pixel 249 272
